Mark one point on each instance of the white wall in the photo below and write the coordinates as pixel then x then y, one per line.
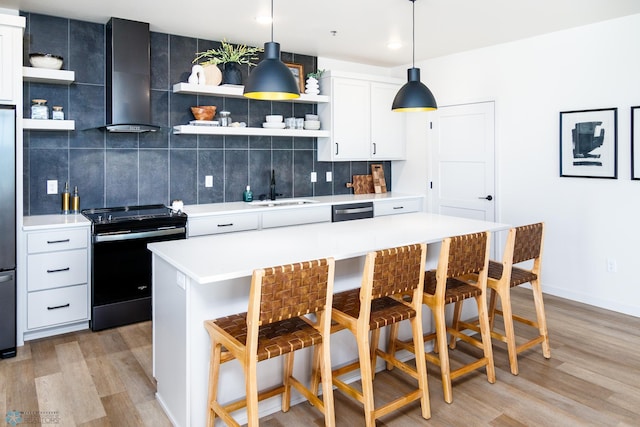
pixel 531 81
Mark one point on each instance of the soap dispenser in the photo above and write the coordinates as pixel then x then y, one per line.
pixel 247 196
pixel 65 199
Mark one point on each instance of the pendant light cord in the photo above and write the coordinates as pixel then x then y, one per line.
pixel 272 20
pixel 413 34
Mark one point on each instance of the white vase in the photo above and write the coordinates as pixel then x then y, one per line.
pixel 312 86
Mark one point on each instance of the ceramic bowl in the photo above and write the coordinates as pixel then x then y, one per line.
pixel 311 117
pixel 204 112
pixel 45 60
pixel 312 124
pixel 274 118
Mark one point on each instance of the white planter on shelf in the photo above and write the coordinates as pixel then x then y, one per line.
pixel 312 86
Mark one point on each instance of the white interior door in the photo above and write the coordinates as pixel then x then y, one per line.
pixel 463 172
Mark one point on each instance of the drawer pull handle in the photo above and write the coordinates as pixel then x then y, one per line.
pixel 398 207
pixel 142 287
pixel 59 306
pixel 58 241
pixel 226 225
pixel 58 270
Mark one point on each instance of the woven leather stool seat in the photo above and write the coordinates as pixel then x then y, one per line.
pixel 274 339
pixel 388 276
pixel 518 275
pixel 456 290
pixel 276 324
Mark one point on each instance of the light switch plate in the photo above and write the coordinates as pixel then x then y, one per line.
pixel 52 186
pixel 208 181
pixel 314 177
pixel 329 176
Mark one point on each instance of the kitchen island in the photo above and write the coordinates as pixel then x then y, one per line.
pixel 208 277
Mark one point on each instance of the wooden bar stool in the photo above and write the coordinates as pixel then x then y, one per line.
pixel 276 325
pixel 388 275
pixel 523 244
pixel 459 257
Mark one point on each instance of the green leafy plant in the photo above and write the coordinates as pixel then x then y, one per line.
pixel 227 52
pixel 316 75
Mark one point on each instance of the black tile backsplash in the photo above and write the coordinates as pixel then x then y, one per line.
pixel 157 167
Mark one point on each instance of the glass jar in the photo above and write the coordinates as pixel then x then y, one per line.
pixel 39 109
pixel 225 118
pixel 57 113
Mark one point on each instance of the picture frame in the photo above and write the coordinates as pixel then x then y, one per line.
pixel 589 143
pixel 635 139
pixel 298 73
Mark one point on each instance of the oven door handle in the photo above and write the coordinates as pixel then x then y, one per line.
pixel 118 236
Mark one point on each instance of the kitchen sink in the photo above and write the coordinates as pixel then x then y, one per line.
pixel 282 202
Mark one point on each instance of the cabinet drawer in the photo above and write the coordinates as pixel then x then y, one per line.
pixel 217 224
pixel 51 270
pixel 393 207
pixel 282 218
pixel 56 306
pixel 61 240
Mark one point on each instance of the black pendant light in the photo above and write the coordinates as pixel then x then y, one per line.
pixel 271 79
pixel 414 96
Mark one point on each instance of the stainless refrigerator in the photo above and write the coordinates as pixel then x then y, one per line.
pixel 7 231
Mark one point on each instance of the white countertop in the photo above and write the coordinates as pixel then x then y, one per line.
pixel 220 257
pixel 194 211
pixel 44 222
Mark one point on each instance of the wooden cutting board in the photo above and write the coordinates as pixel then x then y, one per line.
pixel 362 184
pixel 379 184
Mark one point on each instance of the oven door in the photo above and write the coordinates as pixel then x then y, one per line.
pixel 121 277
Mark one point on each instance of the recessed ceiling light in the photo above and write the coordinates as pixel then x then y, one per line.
pixel 264 19
pixel 394 45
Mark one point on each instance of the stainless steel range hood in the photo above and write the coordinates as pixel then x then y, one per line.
pixel 128 77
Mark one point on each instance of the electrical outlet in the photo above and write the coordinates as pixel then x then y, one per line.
pixel 208 181
pixel 329 176
pixel 181 280
pixel 314 177
pixel 52 186
pixel 612 265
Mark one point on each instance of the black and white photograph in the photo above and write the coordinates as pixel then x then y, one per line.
pixel 635 139
pixel 589 143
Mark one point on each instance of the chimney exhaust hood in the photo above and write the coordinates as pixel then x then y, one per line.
pixel 128 77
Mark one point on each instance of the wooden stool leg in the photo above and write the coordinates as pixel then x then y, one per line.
pixel 214 374
pixel 441 343
pixel 316 370
pixel 542 318
pixel 375 338
pixel 492 308
pixel 286 381
pixel 455 322
pixel 486 337
pixel 251 375
pixel 327 386
pixel 391 345
pixel 507 317
pixel 421 365
pixel 364 353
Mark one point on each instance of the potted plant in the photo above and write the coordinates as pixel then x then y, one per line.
pixel 312 86
pixel 230 56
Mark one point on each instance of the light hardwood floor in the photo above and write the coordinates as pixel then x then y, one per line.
pixel 592 379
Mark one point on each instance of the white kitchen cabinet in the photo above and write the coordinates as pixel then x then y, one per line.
pixel 286 217
pixel 362 125
pixel 397 206
pixel 57 279
pixel 216 224
pixel 11 28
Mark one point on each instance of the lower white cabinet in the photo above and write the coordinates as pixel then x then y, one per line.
pixel 397 206
pixel 307 215
pixel 216 224
pixel 57 279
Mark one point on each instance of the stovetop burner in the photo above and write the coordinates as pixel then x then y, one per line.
pixel 130 218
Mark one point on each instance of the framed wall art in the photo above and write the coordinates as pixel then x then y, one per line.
pixel 589 143
pixel 298 73
pixel 635 142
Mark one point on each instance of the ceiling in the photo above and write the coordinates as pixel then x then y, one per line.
pixel 363 28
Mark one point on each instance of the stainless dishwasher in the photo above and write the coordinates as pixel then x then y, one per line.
pixel 351 211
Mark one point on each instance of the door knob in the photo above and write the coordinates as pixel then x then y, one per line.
pixel 489 197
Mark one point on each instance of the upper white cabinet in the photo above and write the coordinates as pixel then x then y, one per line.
pixel 11 28
pixel 362 125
